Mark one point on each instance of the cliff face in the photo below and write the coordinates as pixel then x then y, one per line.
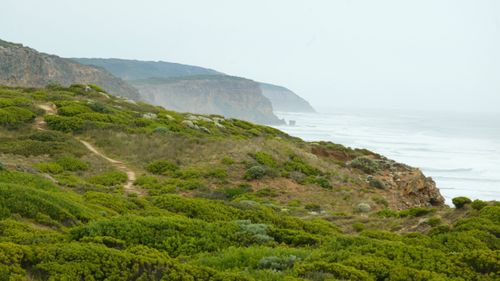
pixel 282 99
pixel 285 100
pixel 22 66
pixel 214 94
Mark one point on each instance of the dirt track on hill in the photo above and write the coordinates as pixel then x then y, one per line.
pixel 41 125
pixel 131 176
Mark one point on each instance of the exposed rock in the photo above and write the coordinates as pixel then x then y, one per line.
pixel 23 66
pixel 214 94
pixel 284 99
pixel 403 186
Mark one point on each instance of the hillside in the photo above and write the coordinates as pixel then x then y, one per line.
pixel 96 187
pixel 210 94
pixel 23 66
pixel 284 99
pixel 136 70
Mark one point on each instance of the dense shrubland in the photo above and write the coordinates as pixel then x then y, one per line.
pixel 222 200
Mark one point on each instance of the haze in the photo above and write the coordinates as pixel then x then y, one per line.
pixel 436 55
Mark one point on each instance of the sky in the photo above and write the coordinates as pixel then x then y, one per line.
pixel 389 54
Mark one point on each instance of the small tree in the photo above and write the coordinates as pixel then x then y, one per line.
pixel 460 202
pixel 478 204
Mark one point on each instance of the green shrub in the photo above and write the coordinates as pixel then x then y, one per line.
pixel 113 178
pixel 50 167
pixel 416 212
pixel 434 221
pixel 265 159
pixel 255 172
pixel 14 116
pixel 365 164
pixel 73 110
pixel 70 163
pixel 313 207
pixel 363 208
pixel 478 204
pixel 64 124
pixel 376 183
pixel 358 227
pixel 159 167
pixel 227 160
pixel 234 192
pixel 297 164
pixel 460 202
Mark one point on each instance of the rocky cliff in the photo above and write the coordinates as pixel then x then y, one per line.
pixel 211 94
pixel 284 99
pixel 23 66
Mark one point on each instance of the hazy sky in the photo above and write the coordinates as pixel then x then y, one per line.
pixel 386 53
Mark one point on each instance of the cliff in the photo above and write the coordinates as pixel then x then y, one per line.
pixel 23 66
pixel 284 99
pixel 281 98
pixel 211 94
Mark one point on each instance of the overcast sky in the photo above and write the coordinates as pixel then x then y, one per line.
pixel 425 54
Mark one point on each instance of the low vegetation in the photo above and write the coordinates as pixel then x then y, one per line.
pixel 237 201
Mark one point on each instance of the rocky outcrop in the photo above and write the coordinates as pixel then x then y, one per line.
pixel 408 186
pixel 284 99
pixel 212 94
pixel 401 185
pixel 23 66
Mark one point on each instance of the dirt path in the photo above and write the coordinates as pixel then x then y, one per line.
pixel 129 185
pixel 41 125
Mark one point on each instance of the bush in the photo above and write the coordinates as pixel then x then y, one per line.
pixel 50 167
pixel 64 124
pixel 478 204
pixel 460 202
pixel 434 221
pixel 160 167
pixel 313 207
pixel 70 163
pixel 14 116
pixel 265 159
pixel 109 178
pixel 255 172
pixel 358 227
pixel 365 164
pixel 376 183
pixel 415 212
pixel 363 208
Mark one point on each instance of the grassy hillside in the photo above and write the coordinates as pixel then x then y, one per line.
pixel 94 187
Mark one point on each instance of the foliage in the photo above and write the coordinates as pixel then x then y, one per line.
pixel 112 178
pixel 460 202
pixel 365 164
pixel 255 172
pixel 159 167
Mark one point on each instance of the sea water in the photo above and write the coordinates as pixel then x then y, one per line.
pixel 460 151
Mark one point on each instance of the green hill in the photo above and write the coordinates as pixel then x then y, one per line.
pixel 96 187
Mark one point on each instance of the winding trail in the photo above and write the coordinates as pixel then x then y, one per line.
pixel 41 125
pixel 131 176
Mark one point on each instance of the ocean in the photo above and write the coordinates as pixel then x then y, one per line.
pixel 460 151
